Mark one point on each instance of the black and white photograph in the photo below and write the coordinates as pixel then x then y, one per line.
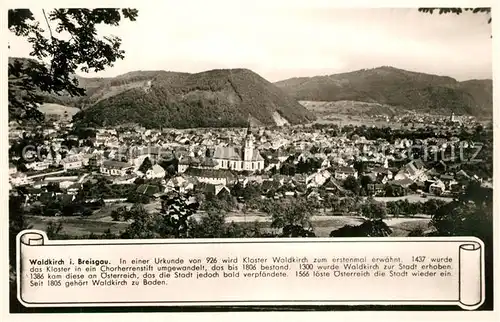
pixel 211 121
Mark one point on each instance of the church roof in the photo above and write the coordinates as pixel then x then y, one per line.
pixel 228 153
pixel 256 156
pixel 235 154
pixel 209 173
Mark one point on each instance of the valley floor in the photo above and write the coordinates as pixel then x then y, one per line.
pixel 323 225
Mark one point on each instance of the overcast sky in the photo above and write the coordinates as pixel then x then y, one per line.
pixel 283 43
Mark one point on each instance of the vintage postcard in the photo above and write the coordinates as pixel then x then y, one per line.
pixel 249 156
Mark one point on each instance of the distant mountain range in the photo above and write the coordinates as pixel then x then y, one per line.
pixel 232 97
pixel 399 88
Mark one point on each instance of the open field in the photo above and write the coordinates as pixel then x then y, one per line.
pixel 342 120
pixel 76 226
pixel 325 108
pixel 51 108
pixel 323 225
pixel 100 221
pixel 353 113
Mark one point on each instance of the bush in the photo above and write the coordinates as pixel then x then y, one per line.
pixel 374 210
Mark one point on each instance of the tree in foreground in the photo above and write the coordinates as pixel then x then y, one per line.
pixel 373 209
pixel 176 211
pixel 292 216
pixel 144 224
pixel 457 11
pixel 369 228
pixel 471 215
pixel 350 183
pixel 210 225
pixel 68 42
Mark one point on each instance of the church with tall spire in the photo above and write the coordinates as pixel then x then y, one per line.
pixel 244 158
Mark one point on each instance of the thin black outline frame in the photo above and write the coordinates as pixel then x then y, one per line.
pixel 259 305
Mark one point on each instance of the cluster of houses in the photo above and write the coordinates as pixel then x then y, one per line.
pixel 219 158
pixel 432 119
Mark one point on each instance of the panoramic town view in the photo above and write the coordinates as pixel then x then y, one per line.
pixel 376 150
pixel 318 178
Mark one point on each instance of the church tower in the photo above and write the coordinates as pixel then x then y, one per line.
pixel 249 147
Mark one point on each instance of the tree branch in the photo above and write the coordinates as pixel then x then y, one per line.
pixel 48 25
pixel 51 41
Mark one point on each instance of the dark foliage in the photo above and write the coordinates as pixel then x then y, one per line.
pixel 457 11
pixel 30 79
pixel 471 215
pixel 297 231
pixel 176 211
pixel 217 98
pixel 396 87
pixel 369 228
pixel 146 165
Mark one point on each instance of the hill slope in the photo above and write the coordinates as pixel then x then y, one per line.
pixel 217 98
pixel 214 98
pixel 396 87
